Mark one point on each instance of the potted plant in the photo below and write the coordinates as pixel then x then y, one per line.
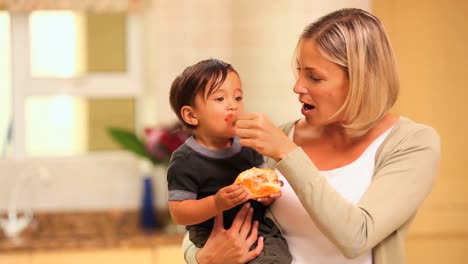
pixel 155 147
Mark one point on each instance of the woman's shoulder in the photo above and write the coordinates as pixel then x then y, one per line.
pixel 408 134
pixel 287 126
pixel 405 127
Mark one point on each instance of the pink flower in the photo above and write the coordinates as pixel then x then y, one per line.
pixel 160 142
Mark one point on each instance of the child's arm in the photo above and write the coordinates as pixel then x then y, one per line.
pixel 190 212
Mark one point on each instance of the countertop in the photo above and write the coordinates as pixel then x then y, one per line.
pixel 87 230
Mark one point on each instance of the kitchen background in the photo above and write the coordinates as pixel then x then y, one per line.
pixel 66 76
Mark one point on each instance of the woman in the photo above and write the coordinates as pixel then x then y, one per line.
pixel 355 174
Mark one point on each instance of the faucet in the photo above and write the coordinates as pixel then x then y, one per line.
pixel 14 223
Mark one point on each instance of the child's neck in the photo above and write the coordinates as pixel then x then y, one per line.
pixel 213 143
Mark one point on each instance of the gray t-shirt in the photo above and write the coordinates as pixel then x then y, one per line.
pixel 196 172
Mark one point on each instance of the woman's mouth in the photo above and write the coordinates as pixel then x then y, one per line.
pixel 306 108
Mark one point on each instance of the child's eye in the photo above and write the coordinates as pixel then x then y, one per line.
pixel 239 98
pixel 219 99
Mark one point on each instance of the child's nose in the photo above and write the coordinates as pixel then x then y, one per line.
pixel 232 106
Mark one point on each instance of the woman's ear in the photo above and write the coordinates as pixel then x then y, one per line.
pixel 189 116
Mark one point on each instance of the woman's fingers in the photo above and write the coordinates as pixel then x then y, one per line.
pixel 249 142
pixel 240 218
pixel 246 225
pixel 256 252
pixel 233 245
pixel 244 116
pixel 253 235
pixel 251 239
pixel 218 224
pixel 247 133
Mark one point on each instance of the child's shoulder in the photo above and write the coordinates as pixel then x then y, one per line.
pixel 183 155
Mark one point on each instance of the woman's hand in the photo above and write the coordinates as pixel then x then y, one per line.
pixel 258 132
pixel 232 246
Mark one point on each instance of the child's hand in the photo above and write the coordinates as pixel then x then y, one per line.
pixel 230 196
pixel 269 199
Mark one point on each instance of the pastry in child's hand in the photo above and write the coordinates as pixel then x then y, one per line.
pixel 259 182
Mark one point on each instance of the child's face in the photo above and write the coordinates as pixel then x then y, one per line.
pixel 212 110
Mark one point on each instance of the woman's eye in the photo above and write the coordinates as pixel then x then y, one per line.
pixel 315 79
pixel 238 98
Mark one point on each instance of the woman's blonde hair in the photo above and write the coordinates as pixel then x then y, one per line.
pixel 355 40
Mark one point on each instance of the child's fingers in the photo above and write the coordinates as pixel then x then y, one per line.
pixel 240 198
pixel 231 188
pixel 236 192
pixel 275 195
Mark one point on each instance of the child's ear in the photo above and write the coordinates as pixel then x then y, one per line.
pixel 189 116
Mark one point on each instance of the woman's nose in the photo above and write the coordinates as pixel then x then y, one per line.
pixel 299 88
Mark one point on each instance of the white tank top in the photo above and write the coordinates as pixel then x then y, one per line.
pixel 306 243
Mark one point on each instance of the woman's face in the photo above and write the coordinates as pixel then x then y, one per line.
pixel 212 110
pixel 322 85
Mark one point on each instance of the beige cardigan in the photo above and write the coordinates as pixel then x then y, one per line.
pixel 405 167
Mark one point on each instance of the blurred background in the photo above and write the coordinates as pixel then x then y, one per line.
pixel 71 69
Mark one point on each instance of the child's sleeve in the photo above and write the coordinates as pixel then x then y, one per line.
pixel 181 181
pixel 259 161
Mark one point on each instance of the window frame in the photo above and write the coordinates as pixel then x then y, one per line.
pixel 127 84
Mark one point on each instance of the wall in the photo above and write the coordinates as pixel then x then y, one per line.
pixel 257 37
pixel 265 34
pixel 178 34
pixel 430 40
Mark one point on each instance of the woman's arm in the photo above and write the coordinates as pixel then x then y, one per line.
pixel 191 212
pixel 402 179
pixel 401 182
pixel 227 246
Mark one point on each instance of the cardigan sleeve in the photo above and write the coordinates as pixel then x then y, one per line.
pixel 190 250
pixel 401 181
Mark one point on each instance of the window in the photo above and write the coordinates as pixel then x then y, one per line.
pixel 5 73
pixel 73 75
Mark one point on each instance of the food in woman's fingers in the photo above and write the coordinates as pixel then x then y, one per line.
pixel 259 182
pixel 231 119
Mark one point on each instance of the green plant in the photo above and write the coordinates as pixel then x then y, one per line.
pixel 156 144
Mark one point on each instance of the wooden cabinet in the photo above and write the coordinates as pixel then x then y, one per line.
pixel 15 258
pixel 169 254
pixel 114 256
pixel 161 255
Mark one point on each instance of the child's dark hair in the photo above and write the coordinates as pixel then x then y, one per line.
pixel 194 80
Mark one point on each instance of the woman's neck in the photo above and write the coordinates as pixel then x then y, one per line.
pixel 335 134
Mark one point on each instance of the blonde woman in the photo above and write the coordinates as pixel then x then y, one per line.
pixel 355 174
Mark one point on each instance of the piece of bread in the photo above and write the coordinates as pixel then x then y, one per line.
pixel 259 182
